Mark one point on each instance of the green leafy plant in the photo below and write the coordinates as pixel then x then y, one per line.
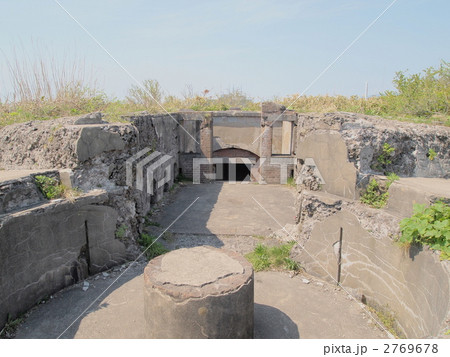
pixel 428 226
pixel 385 157
pixel 376 194
pixel 431 154
pixel 264 258
pixel 50 187
pixel 391 178
pixel 151 247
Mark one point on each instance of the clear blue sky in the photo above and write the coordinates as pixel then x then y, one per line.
pixel 265 48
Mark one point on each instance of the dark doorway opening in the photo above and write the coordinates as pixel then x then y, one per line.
pixel 232 172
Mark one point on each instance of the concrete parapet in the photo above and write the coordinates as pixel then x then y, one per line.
pixel 201 292
pixel 406 192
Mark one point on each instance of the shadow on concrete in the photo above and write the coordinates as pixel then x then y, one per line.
pixel 414 250
pixel 51 319
pixel 273 323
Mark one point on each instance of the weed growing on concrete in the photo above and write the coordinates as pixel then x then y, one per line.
pixel 428 226
pixel 10 327
pixel 51 188
pixel 388 319
pixel 291 182
pixel 431 154
pixel 151 247
pixel 120 232
pixel 265 258
pixel 149 223
pixel 385 158
pixel 376 194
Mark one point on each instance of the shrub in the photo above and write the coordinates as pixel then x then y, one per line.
pixel 429 226
pixel 423 94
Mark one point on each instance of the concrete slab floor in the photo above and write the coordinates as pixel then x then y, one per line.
pixel 226 208
pixel 285 307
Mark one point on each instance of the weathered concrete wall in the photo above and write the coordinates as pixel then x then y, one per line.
pixel 414 284
pixel 365 135
pixel 53 245
pixel 18 193
pixel 337 155
pixel 237 131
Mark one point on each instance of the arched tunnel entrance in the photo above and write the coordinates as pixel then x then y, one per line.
pixel 236 164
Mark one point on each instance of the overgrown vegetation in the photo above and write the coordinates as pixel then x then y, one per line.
pixel 43 90
pixel 51 188
pixel 151 247
pixel 265 258
pixel 428 226
pixel 376 194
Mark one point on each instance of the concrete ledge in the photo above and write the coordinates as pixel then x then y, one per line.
pixel 201 292
pixel 406 192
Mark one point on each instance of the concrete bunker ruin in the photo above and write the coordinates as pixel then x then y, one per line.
pixel 124 169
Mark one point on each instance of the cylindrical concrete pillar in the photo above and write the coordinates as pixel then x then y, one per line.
pixel 200 292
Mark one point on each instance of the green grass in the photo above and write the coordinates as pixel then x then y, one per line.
pixel 151 247
pixel 291 182
pixel 265 258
